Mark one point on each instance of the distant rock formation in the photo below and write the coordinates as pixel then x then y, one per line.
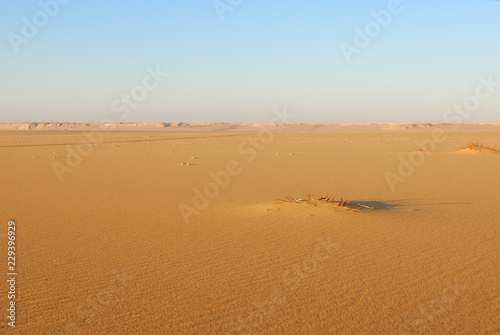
pixel 220 126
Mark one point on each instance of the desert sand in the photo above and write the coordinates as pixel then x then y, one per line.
pixel 121 237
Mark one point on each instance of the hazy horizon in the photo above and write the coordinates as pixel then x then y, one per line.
pixel 223 122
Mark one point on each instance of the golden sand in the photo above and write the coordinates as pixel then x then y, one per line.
pixel 128 240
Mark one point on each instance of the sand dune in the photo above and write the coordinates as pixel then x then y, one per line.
pixel 117 237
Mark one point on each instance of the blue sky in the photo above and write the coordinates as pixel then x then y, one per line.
pixel 262 55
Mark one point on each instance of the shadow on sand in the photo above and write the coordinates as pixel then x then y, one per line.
pixel 404 204
pixel 376 205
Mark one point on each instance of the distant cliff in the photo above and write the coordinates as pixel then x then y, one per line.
pixel 216 126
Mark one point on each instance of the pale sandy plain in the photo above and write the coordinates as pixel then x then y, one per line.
pixel 425 261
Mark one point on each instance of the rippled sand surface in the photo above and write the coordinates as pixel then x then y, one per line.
pixel 122 238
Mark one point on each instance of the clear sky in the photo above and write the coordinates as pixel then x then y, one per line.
pixel 80 60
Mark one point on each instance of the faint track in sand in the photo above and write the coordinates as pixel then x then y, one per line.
pixel 113 142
